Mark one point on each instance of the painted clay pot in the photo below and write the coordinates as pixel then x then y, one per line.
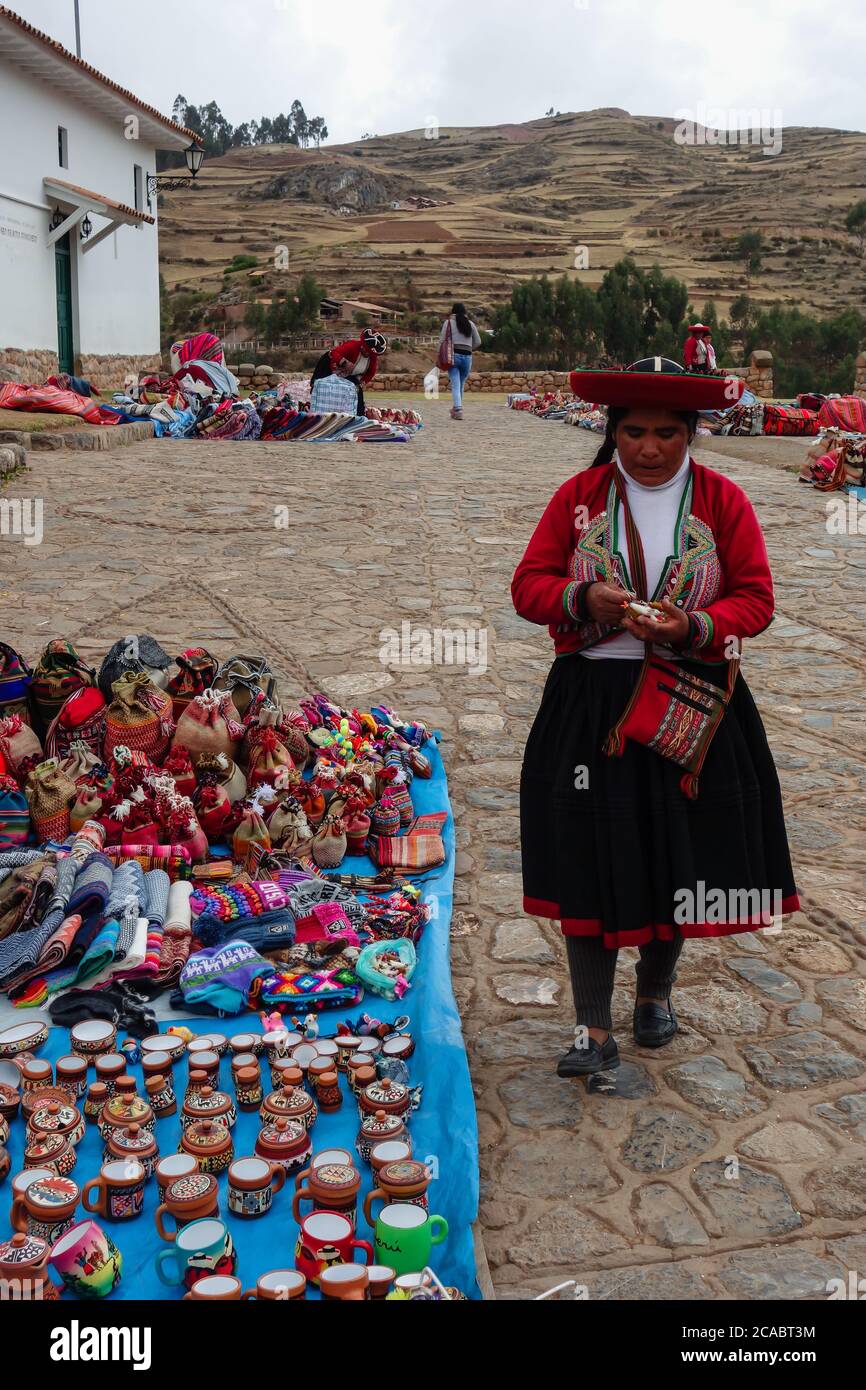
pixel 252 1185
pixel 208 1104
pixel 403 1181
pixel 54 1118
pixel 385 1095
pixel 242 1061
pixel 347 1043
pixel 286 1142
pixel 93 1038
pixel 24 1269
pixel 360 1072
pixel 110 1068
pixel 207 1042
pixel 330 1187
pixel 87 1260
pixel 51 1151
pixel 95 1102
pixel 399 1045
pixel 46 1208
pixel 327 1047
pixel 119 1190
pixel 324 1156
pixel 303 1055
pixel 375 1128
pixel 43 1095
pixel 285 1072
pixel 9 1102
pixel 210 1143
pixel 71 1072
pixel 170 1167
pixel 22 1037
pixel 219 1043
pixel 171 1043
pixel 370 1047
pixel 204 1070
pixel 132 1141
pixel 279 1285
pixel 5 1163
pixel 156 1064
pixel 291 1101
pixel 248 1088
pixel 319 1067
pixel 279 1043
pixel 328 1092
pixel 190 1198
pixel 390 1151
pixel 247 1042
pixel 35 1074
pixel 125 1110
pixel 160 1096
pixel 4 1130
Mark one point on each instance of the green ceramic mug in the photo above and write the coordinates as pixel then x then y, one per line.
pixel 405 1235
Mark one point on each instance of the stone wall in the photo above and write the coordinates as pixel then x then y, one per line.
pixel 860 376
pixel 108 373
pixel 28 366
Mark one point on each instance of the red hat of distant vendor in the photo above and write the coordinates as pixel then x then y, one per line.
pixel 657 381
pixel 699 328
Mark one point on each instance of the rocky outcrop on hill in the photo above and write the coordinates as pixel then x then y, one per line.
pixel 338 185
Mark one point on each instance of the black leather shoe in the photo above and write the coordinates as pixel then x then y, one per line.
pixel 584 1061
pixel 654 1025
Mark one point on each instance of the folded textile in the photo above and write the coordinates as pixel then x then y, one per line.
pixel 51 956
pixel 16 893
pixel 311 989
pixel 16 859
pixel 222 976
pixel 177 933
pixel 92 885
pixel 97 956
pixel 157 886
pixel 303 895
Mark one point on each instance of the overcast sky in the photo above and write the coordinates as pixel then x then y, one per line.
pixel 390 65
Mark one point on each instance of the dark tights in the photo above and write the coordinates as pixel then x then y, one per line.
pixel 592 967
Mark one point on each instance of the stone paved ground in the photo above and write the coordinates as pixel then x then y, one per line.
pixel 636 1193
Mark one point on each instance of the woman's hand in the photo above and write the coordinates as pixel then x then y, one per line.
pixel 604 603
pixel 672 632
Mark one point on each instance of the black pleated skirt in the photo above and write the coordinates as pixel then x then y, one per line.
pixel 612 846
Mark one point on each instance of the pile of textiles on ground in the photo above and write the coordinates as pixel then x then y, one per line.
pixel 56 400
pixel 201 400
pixel 170 826
pixel 810 414
pixel 836 462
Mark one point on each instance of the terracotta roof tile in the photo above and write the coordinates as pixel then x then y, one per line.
pixel 6 13
pixel 100 198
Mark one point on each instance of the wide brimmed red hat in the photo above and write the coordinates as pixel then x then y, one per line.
pixel 657 381
pixel 699 328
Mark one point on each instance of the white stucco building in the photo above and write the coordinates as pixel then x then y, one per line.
pixel 79 267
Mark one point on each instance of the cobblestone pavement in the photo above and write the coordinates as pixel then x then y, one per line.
pixel 629 1192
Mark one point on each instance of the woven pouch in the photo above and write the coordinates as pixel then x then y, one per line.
pixel 329 843
pixel 270 761
pixel 18 740
pixel 15 679
pixel 251 831
pixel 139 717
pixel 59 672
pixel 289 828
pixel 50 793
pixel 243 677
pixel 209 724
pixel 196 673
pixel 227 772
pixel 81 719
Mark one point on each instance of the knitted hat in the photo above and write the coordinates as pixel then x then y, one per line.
pixel 222 976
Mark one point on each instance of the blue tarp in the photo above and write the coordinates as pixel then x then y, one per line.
pixel 444 1130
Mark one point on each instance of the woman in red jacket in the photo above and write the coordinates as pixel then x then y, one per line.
pixel 357 359
pixel 650 804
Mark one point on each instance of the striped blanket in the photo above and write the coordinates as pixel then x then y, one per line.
pixel 847 413
pixel 787 419
pixel 286 423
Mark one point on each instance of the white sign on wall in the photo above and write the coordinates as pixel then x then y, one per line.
pixel 18 230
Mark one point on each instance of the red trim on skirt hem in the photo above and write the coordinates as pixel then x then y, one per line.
pixel 661 931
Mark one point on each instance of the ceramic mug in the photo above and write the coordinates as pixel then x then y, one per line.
pixel 252 1184
pixel 87 1260
pixel 45 1207
pixel 326 1239
pixel 119 1190
pixel 279 1286
pixel 216 1287
pixel 171 1167
pixel 405 1235
pixel 202 1248
pixel 345 1283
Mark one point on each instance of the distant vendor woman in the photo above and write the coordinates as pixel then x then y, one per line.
pixel 357 359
